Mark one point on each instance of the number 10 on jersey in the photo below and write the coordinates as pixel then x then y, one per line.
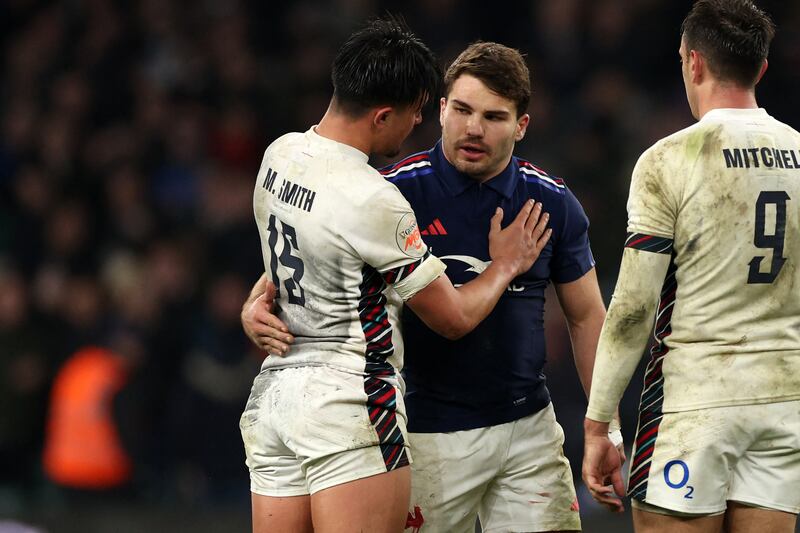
pixel 288 260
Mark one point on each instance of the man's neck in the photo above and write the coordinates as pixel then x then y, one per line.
pixel 346 130
pixel 726 96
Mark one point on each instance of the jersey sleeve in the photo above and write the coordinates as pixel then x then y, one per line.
pixel 572 255
pixel 389 240
pixel 652 202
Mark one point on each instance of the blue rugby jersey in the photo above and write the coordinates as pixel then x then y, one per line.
pixel 493 375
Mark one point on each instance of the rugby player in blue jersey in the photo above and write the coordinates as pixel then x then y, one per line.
pixel 483 433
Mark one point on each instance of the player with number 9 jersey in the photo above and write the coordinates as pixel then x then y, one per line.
pixel 718 202
pixel 712 252
pixel 721 197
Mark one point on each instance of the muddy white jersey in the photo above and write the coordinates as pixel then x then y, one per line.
pixel 336 236
pixel 723 197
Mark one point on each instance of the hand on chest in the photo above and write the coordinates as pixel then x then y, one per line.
pixel 461 240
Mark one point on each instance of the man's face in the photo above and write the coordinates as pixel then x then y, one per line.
pixel 686 72
pixel 479 128
pixel 402 123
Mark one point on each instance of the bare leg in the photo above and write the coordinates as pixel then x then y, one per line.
pixel 291 514
pixel 377 504
pixel 740 518
pixel 647 522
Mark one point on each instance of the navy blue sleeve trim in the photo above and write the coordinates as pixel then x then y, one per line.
pixel 395 275
pixel 649 243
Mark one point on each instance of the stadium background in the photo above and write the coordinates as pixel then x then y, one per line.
pixel 130 135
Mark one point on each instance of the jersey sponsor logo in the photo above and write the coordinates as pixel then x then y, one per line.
pixel 478 266
pixel 409 239
pixel 435 228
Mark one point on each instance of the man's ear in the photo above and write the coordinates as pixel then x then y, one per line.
pixel 697 66
pixel 442 106
pixel 763 70
pixel 522 126
pixel 381 116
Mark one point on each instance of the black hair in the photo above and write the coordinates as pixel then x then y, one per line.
pixel 733 35
pixel 384 63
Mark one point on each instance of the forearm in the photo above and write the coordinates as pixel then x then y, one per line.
pixel 626 330
pixel 477 298
pixel 584 335
pixel 585 311
pixel 452 312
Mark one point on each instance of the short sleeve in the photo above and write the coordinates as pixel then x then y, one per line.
pixel 652 206
pixel 572 254
pixel 389 240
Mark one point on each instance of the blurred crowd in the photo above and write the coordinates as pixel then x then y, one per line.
pixel 131 134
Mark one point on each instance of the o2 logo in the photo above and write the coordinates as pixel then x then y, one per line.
pixel 681 472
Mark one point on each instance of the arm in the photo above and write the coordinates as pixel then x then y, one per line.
pixel 449 311
pixel 585 311
pixel 453 312
pixel 623 339
pixel 626 330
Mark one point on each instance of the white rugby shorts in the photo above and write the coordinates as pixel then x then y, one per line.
pixel 514 476
pixel 310 428
pixel 693 462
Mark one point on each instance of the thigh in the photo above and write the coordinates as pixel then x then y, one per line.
pixel 376 504
pixel 534 490
pixel 743 519
pixel 449 477
pixel 651 519
pixel 767 474
pixel 281 515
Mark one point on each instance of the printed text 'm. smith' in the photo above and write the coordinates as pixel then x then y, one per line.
pixel 290 193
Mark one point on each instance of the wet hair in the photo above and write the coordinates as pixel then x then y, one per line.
pixel 383 63
pixel 501 68
pixel 733 35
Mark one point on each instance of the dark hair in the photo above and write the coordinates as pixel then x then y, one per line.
pixel 733 35
pixel 384 63
pixel 501 68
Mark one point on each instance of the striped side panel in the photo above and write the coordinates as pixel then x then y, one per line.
pixel 652 399
pixel 375 323
pixel 649 243
pixel 382 407
pixel 381 395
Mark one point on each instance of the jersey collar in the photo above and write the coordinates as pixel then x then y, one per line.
pixel 336 146
pixel 728 113
pixel 458 182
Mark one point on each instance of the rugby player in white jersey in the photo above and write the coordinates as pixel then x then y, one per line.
pixel 483 432
pixel 324 428
pixel 712 252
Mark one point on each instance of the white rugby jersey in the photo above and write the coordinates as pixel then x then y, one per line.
pixel 335 235
pixel 726 192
